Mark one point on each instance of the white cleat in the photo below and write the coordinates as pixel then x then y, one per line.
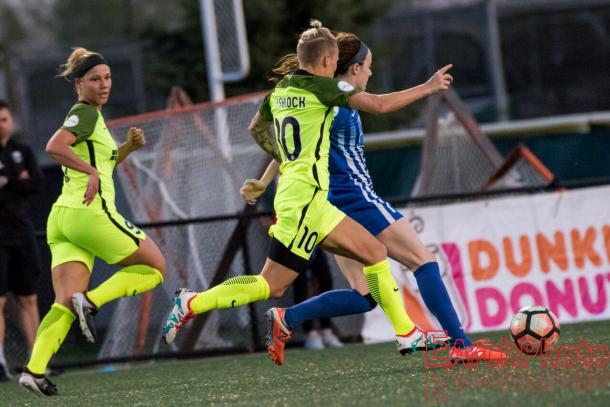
pixel 180 315
pixel 37 384
pixel 417 340
pixel 85 312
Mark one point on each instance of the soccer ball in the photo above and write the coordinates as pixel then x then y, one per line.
pixel 533 328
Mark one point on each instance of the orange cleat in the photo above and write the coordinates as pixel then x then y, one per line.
pixel 277 334
pixel 481 350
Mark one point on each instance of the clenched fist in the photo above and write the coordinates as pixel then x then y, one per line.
pixel 135 138
pixel 251 190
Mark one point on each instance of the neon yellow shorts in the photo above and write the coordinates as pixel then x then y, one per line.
pixel 79 234
pixel 304 216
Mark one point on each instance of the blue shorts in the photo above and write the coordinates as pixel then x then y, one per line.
pixel 365 207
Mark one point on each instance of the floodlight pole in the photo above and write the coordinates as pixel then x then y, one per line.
pixel 496 67
pixel 216 76
pixel 242 45
pixel 212 53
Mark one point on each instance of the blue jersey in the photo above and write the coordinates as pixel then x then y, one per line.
pixel 347 165
pixel 351 187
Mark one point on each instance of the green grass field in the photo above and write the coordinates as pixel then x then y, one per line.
pixel 355 375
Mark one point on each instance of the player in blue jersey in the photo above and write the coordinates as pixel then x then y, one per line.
pixel 351 190
pixel 300 107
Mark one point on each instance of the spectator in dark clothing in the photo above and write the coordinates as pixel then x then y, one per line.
pixel 20 178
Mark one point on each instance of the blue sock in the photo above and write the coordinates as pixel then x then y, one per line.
pixel 334 303
pixel 434 294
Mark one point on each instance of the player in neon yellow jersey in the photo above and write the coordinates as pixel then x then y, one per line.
pixel 351 190
pixel 300 108
pixel 84 224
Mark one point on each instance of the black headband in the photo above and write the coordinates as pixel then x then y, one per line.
pixel 84 67
pixel 360 55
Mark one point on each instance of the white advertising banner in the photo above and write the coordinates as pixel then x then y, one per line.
pixel 498 255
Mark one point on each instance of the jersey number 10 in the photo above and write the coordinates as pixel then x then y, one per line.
pixel 309 239
pixel 296 136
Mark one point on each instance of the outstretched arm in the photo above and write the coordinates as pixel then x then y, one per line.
pixel 253 188
pixel 262 132
pixel 391 102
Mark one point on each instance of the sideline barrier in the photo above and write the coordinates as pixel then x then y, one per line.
pixel 499 255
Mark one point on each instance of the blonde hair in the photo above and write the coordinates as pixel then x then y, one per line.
pixel 314 43
pixel 77 56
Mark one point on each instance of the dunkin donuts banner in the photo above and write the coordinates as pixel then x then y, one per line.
pixel 498 255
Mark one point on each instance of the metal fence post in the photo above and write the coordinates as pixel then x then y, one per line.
pixel 244 223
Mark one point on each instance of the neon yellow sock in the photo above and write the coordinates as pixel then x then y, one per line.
pixel 234 292
pixel 128 281
pixel 384 290
pixel 50 335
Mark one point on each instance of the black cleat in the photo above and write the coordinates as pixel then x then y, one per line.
pixel 37 384
pixel 85 311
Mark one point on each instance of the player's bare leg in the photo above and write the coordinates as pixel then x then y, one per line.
pixel 404 245
pixel 352 240
pixel 142 271
pixel 235 292
pixel 278 332
pixel 352 271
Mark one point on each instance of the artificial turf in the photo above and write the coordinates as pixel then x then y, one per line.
pixel 356 375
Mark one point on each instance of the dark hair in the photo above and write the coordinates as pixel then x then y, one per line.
pixel 349 44
pixel 4 105
pixel 287 64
